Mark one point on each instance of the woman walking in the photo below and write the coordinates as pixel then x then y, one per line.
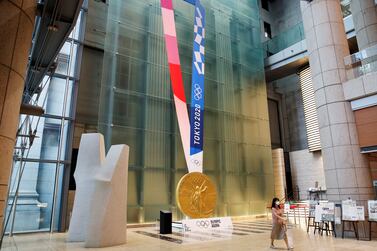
pixel 279 226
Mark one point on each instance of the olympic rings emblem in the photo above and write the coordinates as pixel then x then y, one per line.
pixel 196 162
pixel 202 223
pixel 197 92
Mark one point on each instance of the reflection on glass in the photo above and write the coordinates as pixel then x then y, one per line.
pixel 35 196
pixel 346 7
pixel 284 39
pixel 136 105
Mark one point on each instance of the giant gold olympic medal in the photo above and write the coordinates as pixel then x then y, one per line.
pixel 196 195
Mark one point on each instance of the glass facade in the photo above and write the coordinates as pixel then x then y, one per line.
pixel 42 151
pixel 136 105
pixel 284 39
pixel 294 34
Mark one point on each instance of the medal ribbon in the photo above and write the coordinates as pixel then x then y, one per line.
pixel 192 141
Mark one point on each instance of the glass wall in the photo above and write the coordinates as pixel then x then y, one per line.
pixel 42 151
pixel 284 39
pixel 136 105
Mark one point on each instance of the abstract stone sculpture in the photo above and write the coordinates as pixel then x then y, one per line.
pixel 99 216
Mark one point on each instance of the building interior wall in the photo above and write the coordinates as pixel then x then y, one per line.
pixel 282 15
pixel 306 167
pixel 286 14
pixel 292 111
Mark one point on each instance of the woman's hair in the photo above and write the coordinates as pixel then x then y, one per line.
pixel 274 200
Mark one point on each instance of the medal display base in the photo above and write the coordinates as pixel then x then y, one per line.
pixel 207 224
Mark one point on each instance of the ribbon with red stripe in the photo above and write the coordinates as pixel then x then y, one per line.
pixel 194 165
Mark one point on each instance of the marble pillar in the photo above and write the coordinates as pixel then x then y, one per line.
pixel 364 15
pixel 346 170
pixel 279 173
pixel 16 28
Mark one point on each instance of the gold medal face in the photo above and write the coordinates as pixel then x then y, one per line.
pixel 196 195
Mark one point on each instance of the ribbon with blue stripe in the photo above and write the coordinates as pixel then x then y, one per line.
pixel 197 90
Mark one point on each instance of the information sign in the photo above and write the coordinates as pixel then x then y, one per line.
pixel 372 210
pixel 318 213
pixel 207 224
pixel 360 213
pixel 312 205
pixel 328 211
pixel 349 210
pixel 338 214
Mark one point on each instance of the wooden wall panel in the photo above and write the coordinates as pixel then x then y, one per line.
pixel 366 124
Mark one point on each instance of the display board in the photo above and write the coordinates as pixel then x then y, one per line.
pixel 360 213
pixel 349 210
pixel 328 211
pixel 287 208
pixel 318 213
pixel 312 205
pixel 325 211
pixel 372 210
pixel 338 214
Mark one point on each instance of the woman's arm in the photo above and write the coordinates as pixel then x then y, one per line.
pixel 277 215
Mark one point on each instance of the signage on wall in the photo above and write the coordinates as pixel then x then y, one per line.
pixel 207 224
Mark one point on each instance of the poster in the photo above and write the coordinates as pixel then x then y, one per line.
pixel 287 207
pixel 318 213
pixel 312 205
pixel 372 210
pixel 349 210
pixel 328 211
pixel 338 214
pixel 360 213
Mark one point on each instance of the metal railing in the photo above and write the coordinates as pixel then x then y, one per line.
pixel 361 63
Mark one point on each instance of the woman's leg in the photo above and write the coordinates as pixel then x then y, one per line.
pixel 286 241
pixel 272 242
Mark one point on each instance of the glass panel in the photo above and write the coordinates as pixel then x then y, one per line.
pixel 35 197
pixel 346 7
pixel 136 105
pixel 285 39
pixel 41 141
pixel 66 59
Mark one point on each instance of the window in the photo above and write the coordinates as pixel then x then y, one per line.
pixel 265 4
pixel 310 111
pixel 267 30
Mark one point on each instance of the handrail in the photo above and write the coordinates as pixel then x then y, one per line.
pixel 361 63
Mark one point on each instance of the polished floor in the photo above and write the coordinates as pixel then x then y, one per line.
pixel 246 235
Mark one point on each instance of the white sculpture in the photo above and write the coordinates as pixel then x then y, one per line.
pixel 99 215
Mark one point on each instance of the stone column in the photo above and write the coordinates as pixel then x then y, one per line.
pixel 364 15
pixel 279 173
pixel 16 27
pixel 347 172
